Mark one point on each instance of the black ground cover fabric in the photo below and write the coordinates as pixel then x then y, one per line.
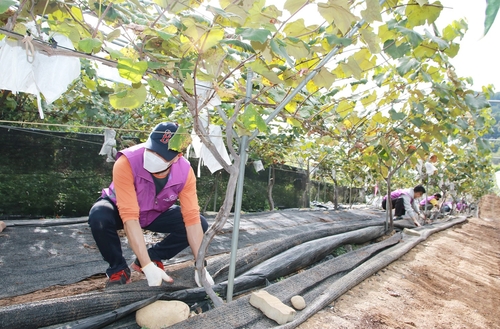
pixel 37 254
pixel 338 274
pixel 52 311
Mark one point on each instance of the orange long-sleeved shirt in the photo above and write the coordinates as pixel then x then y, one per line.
pixel 126 197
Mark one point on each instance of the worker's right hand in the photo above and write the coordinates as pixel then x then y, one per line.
pixel 197 278
pixel 415 221
pixel 155 275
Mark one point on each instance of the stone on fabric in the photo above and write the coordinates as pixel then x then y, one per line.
pixel 161 314
pixel 411 232
pixel 272 307
pixel 2 226
pixel 298 302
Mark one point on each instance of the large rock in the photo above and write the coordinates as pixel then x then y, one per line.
pixel 2 226
pixel 272 307
pixel 161 314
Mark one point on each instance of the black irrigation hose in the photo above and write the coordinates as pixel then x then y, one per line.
pixel 305 254
pixel 102 320
pixel 250 257
pixel 286 263
pixel 283 264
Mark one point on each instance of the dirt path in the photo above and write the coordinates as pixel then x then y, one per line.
pixel 452 280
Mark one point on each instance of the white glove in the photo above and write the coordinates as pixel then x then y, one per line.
pixel 197 278
pixel 155 275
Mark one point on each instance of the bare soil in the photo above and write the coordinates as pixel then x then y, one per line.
pixel 451 280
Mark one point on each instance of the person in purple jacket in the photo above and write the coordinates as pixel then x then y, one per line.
pixel 430 202
pixel 403 201
pixel 462 206
pixel 148 180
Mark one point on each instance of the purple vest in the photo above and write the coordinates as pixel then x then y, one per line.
pixel 397 194
pixel 150 204
pixel 461 205
pixel 428 199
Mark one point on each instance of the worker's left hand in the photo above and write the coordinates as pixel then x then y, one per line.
pixel 197 277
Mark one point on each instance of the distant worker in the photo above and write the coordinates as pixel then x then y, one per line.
pixel 148 179
pixel 462 206
pixel 446 206
pixel 403 201
pixel 430 202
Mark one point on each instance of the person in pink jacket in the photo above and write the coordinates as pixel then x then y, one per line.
pixel 431 202
pixel 403 201
pixel 148 180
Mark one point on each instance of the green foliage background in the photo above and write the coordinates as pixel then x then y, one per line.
pixel 47 174
pixel 52 174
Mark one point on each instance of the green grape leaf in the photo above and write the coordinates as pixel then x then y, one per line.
pixel 335 40
pixel 324 79
pixel 181 140
pixel 414 37
pixel 113 35
pixel 252 120
pixel 5 4
pixel 157 86
pixel 337 12
pixel 251 34
pixel 129 98
pixel 476 101
pixel 492 7
pixel 132 70
pixel 239 44
pixel 90 45
pixel 395 51
pixel 407 64
pixel 372 11
pixel 396 116
pixel 115 54
pixel 293 5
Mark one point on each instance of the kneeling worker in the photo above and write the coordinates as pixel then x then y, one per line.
pixel 403 201
pixel 431 201
pixel 148 179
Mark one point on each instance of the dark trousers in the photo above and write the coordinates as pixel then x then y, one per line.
pixel 429 207
pixel 397 204
pixel 105 221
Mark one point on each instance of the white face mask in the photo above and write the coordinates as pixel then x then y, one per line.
pixel 154 163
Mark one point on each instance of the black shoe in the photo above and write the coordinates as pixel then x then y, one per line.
pixel 119 278
pixel 398 218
